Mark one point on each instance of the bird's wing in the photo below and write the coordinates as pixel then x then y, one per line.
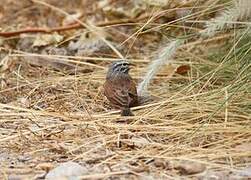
pixel 132 91
pixel 118 95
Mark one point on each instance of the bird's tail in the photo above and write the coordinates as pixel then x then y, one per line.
pixel 126 112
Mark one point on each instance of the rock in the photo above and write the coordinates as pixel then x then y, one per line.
pixel 162 163
pixel 139 141
pixel 188 167
pixel 243 147
pixel 222 175
pixel 45 167
pixel 67 170
pixel 24 158
pixel 246 172
pixel 214 175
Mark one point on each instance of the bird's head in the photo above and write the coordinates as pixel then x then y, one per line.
pixel 120 67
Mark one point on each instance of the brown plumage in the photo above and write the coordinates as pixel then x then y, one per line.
pixel 120 89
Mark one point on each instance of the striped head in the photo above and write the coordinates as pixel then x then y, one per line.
pixel 121 67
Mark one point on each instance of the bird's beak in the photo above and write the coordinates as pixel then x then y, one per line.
pixel 132 65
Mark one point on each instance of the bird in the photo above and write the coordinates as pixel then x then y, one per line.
pixel 119 87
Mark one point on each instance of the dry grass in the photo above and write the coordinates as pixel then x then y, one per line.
pixel 203 116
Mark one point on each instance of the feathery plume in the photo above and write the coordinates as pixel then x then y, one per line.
pixel 163 58
pixel 240 10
